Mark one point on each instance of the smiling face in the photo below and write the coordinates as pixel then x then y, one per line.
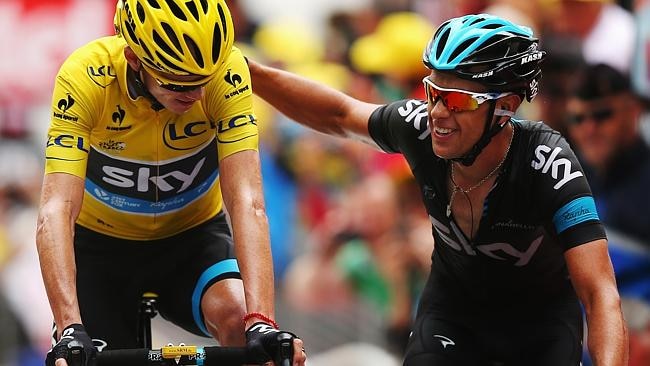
pixel 453 134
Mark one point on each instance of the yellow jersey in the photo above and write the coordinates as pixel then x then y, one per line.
pixel 148 173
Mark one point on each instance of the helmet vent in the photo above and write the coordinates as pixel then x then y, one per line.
pixel 224 23
pixel 149 55
pixel 168 64
pixel 164 46
pixel 139 10
pixel 204 5
pixel 148 61
pixel 169 31
pixel 154 4
pixel 441 43
pixel 216 43
pixel 177 11
pixel 492 26
pixel 493 53
pixel 462 47
pixel 131 32
pixel 195 51
pixel 191 6
pixel 474 21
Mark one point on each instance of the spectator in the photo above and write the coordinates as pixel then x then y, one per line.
pixel 603 33
pixel 365 250
pixel 603 123
pixel 601 22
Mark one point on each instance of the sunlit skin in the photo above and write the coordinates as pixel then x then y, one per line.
pixel 175 102
pixel 453 134
pixel 598 143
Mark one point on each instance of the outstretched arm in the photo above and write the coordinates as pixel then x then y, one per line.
pixel 593 278
pixel 314 105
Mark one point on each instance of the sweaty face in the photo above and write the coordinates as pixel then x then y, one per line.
pixel 453 134
pixel 599 128
pixel 177 102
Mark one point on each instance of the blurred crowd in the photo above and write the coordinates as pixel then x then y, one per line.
pixel 349 235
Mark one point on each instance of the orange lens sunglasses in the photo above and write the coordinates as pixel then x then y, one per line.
pixel 457 100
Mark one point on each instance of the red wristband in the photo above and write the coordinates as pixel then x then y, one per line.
pixel 261 316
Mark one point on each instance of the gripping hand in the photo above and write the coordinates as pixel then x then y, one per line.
pixel 269 344
pixel 75 346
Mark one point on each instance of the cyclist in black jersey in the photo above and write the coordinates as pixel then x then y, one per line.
pixel 518 243
pixel 152 138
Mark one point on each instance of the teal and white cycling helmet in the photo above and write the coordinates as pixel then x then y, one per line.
pixel 489 50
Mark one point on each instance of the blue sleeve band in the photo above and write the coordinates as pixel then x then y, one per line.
pixel 217 269
pixel 575 212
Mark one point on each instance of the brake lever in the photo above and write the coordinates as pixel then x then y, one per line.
pixel 284 353
pixel 76 354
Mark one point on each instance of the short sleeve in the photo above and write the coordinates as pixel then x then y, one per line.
pixel 68 136
pixel 229 104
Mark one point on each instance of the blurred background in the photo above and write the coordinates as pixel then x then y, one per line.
pixel 351 240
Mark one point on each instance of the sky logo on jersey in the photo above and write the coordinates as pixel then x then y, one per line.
pixel 64 104
pixel 145 188
pixel 453 237
pixel 575 212
pixel 415 112
pixel 101 194
pixel 560 168
pixel 146 207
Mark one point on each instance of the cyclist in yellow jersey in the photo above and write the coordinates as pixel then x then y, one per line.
pixel 152 136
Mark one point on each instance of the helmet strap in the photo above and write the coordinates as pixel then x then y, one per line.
pixel 489 131
pixel 140 89
pixel 503 112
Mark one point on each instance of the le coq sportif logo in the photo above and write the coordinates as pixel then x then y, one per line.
pixel 65 103
pixel 232 79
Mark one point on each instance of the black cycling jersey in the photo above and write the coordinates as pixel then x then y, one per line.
pixel 540 206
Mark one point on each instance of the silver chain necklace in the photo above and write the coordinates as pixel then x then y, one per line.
pixel 458 188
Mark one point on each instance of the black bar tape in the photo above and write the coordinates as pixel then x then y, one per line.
pixel 124 357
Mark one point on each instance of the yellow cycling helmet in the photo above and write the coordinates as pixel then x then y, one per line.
pixel 179 37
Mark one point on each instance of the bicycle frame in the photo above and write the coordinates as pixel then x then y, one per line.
pixel 146 312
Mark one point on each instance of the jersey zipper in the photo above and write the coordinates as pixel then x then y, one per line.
pixel 157 165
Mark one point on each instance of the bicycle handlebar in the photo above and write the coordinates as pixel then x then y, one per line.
pixel 176 355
